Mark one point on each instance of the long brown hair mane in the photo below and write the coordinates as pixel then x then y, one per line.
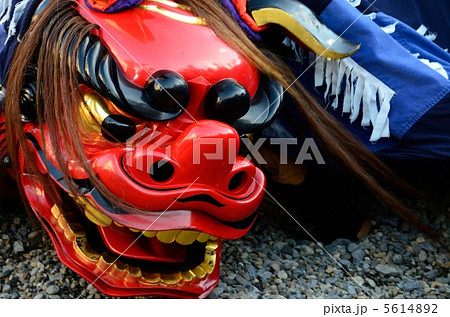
pixel 58 96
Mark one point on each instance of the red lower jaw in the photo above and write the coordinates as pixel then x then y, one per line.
pixel 134 245
pixel 103 274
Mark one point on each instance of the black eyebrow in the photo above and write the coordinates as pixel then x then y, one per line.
pixel 264 106
pixel 99 71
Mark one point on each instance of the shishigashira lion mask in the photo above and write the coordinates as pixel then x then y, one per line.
pixel 135 170
pixel 164 104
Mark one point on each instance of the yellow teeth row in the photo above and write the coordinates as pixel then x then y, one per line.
pixel 107 262
pixel 183 237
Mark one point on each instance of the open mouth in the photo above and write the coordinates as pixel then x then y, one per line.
pixel 144 257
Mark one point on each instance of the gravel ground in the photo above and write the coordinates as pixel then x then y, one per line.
pixel 393 261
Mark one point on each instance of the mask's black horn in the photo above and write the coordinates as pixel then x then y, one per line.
pixel 303 26
pixel 98 70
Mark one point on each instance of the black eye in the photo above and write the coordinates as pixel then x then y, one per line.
pixel 227 100
pixel 97 118
pixel 169 91
pixel 28 95
pixel 119 128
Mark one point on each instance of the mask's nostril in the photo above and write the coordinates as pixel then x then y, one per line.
pixel 161 171
pixel 237 180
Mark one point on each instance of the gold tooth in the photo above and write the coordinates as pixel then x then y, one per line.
pixel 96 216
pixel 149 234
pixel 102 264
pixel 186 237
pixel 203 237
pixel 134 271
pixel 167 236
pixel 134 230
pixel 208 267
pixel 71 235
pixel 55 211
pixel 134 274
pixel 92 213
pixel 118 224
pixel 171 279
pixel 212 245
pixel 152 277
pixel 188 275
pixel 63 223
pixel 119 270
pixel 199 272
pixel 213 238
pixel 82 248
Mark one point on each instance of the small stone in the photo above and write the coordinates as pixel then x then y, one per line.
pixel 427 246
pixel 351 290
pixel 307 250
pixel 397 259
pixel 287 250
pixel 358 256
pixel 251 271
pixel 282 274
pixel 352 247
pixel 436 284
pixel 388 270
pixel 16 220
pixel 416 247
pixel 275 266
pixel 278 245
pixel 422 256
pixel 371 282
pixel 6 288
pixel 39 296
pixel 420 239
pixel 330 269
pixel 266 275
pixel 432 275
pixel 52 289
pixel 410 286
pixel 359 280
pixel 18 246
pixel 241 280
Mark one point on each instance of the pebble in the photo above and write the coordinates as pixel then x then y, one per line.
pixel 52 289
pixel 388 270
pixel 422 256
pixel 397 259
pixel 359 280
pixel 358 256
pixel 18 246
pixel 282 275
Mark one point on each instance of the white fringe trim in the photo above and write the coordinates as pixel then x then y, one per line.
pixel 5 11
pixel 19 8
pixel 362 92
pixel 424 31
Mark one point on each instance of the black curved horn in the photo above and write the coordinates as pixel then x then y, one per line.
pixel 98 70
pixel 263 108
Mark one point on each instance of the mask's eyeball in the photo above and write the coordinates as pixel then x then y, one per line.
pixel 28 102
pixel 97 118
pixel 28 95
pixel 169 91
pixel 227 100
pixel 119 128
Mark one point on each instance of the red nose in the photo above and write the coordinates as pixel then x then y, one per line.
pixel 204 153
